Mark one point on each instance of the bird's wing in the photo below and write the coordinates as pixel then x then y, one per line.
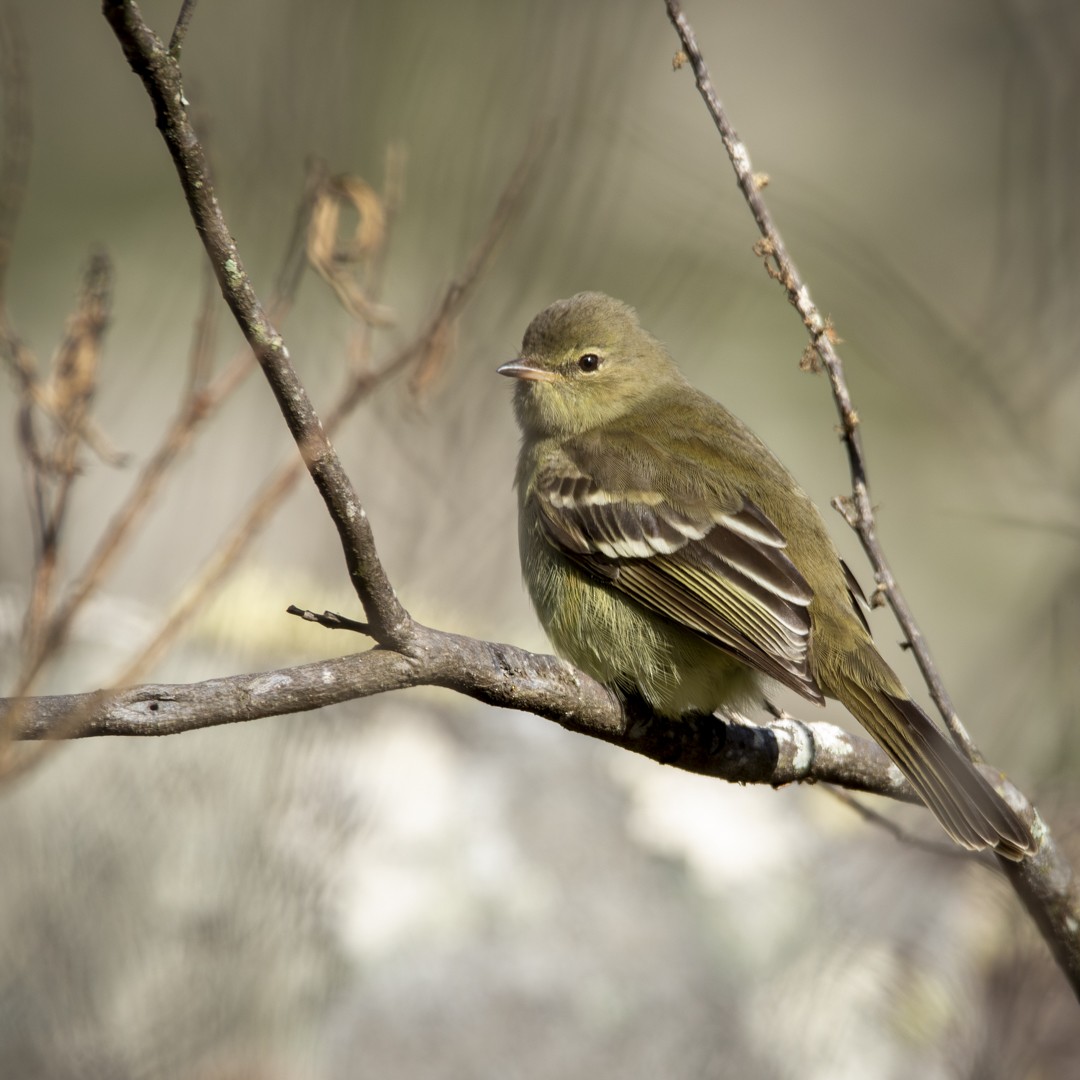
pixel 720 571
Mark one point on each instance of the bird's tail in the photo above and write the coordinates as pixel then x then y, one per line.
pixel 969 809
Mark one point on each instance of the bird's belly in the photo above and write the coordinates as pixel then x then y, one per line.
pixel 627 647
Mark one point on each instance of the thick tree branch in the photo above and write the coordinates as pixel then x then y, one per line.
pixel 1045 881
pixel 783 752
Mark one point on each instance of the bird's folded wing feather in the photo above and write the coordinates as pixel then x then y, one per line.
pixel 720 571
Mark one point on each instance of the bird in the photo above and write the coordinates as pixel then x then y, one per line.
pixel 671 556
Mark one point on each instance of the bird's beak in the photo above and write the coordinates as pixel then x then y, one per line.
pixel 523 369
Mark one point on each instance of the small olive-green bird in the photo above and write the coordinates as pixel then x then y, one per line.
pixel 673 558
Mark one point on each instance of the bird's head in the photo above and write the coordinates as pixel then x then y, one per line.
pixel 585 362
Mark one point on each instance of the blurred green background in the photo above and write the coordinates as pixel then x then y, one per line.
pixel 419 887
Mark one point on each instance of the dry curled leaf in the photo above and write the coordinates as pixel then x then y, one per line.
pixel 67 392
pixel 340 261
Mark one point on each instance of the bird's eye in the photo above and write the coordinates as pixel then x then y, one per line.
pixel 589 362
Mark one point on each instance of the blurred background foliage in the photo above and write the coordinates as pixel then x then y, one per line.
pixel 419 887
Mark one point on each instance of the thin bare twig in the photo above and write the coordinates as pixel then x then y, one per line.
pixel 183 21
pixel 858 510
pixel 330 620
pixel 1044 881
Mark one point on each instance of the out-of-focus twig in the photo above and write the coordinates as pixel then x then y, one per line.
pixel 321 234
pixel 359 385
pixel 201 401
pixel 64 398
pixel 204 337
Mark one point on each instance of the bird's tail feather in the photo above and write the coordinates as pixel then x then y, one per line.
pixel 969 809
